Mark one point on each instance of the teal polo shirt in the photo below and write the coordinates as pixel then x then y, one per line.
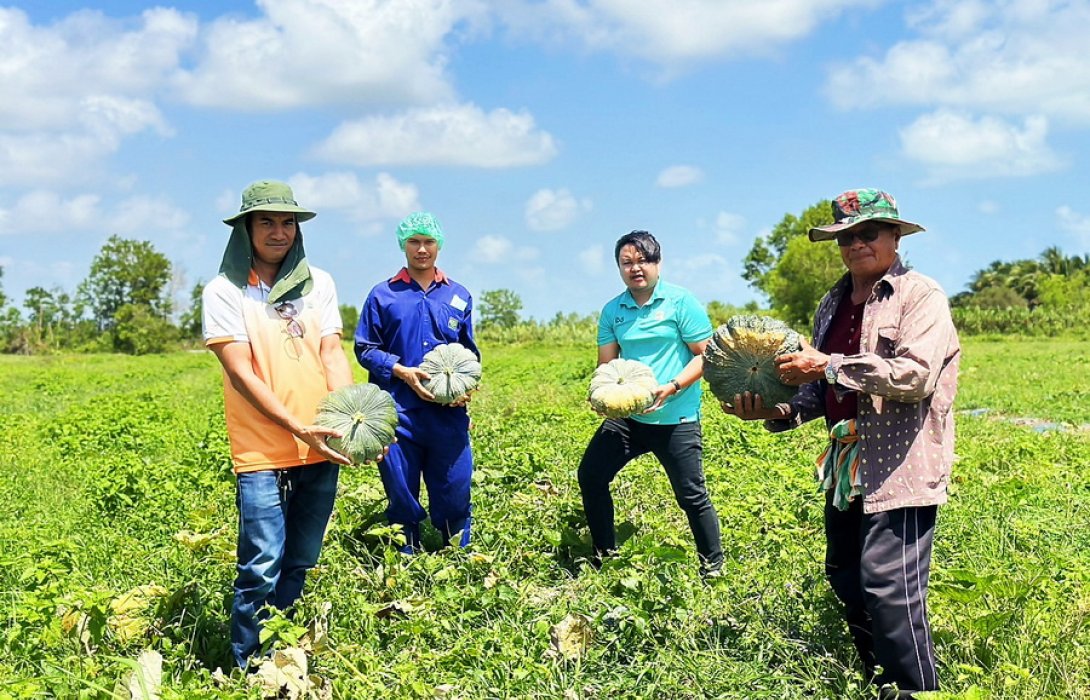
pixel 657 334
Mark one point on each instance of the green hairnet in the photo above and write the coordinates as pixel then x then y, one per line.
pixel 419 223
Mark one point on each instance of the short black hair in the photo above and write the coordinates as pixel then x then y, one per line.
pixel 642 241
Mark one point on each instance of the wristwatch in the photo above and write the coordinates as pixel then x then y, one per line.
pixel 677 387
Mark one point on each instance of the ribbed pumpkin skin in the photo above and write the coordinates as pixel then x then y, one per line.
pixel 741 357
pixel 453 371
pixel 621 388
pixel 366 417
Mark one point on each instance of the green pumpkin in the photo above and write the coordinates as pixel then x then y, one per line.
pixel 453 371
pixel 366 417
pixel 741 355
pixel 620 388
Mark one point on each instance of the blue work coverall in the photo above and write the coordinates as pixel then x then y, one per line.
pixel 400 322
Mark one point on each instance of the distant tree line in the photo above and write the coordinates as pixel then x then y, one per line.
pixel 125 304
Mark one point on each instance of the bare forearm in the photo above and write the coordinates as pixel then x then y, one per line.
pixel 691 372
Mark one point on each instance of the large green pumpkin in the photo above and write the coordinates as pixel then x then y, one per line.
pixel 620 388
pixel 366 417
pixel 453 371
pixel 741 357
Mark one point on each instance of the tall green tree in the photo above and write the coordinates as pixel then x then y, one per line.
pixel 500 308
pixel 190 322
pixel 11 323
pixel 804 273
pixel 350 318
pixel 767 250
pixel 790 270
pixel 138 331
pixel 126 272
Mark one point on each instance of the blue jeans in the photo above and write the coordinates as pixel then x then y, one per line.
pixel 282 518
pixel 433 443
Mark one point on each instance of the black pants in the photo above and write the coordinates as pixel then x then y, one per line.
pixel 878 565
pixel 680 449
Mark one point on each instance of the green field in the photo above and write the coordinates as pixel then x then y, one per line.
pixel 117 477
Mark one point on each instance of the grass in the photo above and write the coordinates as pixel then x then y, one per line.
pixel 118 476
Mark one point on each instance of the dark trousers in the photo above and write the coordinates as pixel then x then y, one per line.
pixel 680 449
pixel 878 565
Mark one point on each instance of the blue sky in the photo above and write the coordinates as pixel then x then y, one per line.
pixel 539 131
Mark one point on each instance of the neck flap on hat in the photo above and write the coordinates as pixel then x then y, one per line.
pixel 293 279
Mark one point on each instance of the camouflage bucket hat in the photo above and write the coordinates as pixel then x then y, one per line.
pixel 855 207
pixel 269 195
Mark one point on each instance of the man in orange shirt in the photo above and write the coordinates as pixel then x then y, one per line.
pixel 274 324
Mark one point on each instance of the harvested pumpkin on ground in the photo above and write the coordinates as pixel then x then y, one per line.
pixel 741 357
pixel 620 388
pixel 366 417
pixel 453 371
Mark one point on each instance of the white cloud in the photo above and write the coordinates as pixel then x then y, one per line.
pixel 708 275
pixel 384 198
pixel 672 33
pixel 306 52
pixel 440 135
pixel 1021 58
pixel 500 249
pixel 592 260
pixel 679 176
pixel 228 203
pixel 552 210
pixel 74 89
pixel 953 145
pixel 146 216
pixel 951 19
pixel 42 158
pixel 50 73
pixel 729 227
pixel 1074 223
pixel 44 211
pixel 989 207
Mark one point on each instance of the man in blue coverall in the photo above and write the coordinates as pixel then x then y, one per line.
pixel 404 318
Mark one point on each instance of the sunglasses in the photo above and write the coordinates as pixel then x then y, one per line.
pixel 866 234
pixel 287 311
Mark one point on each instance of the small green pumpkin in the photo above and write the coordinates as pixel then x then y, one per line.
pixel 366 417
pixel 620 388
pixel 453 371
pixel 741 356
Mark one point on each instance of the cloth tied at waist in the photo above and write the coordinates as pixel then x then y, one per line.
pixel 838 465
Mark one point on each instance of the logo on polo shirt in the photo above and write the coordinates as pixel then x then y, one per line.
pixel 452 323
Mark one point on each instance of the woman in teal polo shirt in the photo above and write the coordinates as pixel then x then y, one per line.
pixel 665 327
